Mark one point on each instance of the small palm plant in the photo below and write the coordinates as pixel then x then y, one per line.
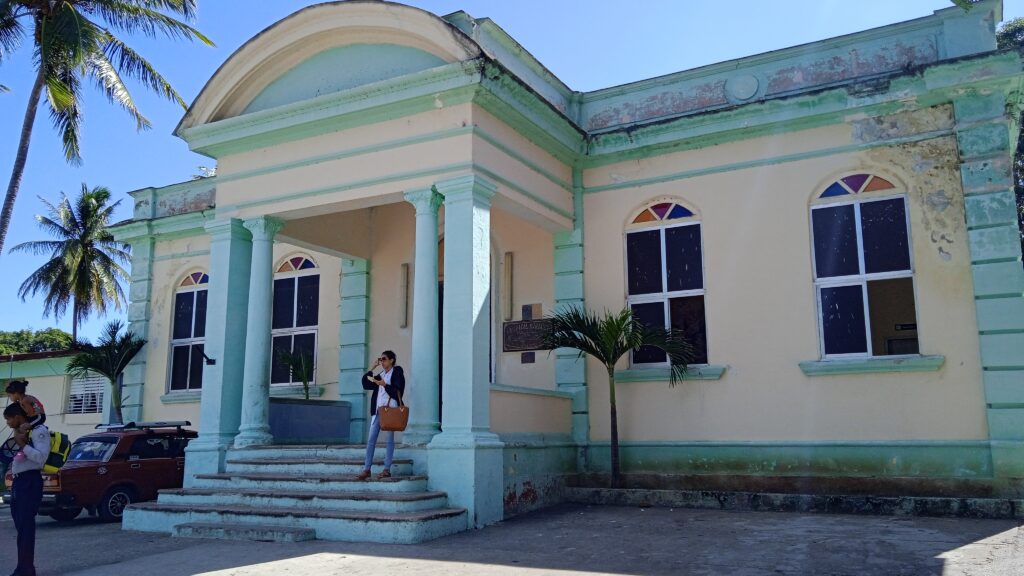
pixel 109 357
pixel 300 364
pixel 609 337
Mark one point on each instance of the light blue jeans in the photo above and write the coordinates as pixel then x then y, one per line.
pixel 371 444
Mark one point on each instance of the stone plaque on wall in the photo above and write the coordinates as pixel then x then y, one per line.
pixel 524 335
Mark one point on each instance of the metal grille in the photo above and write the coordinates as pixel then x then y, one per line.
pixel 86 395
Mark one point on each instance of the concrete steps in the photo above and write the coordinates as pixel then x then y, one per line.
pixel 244 532
pixel 292 493
pixel 284 481
pixel 391 502
pixel 314 466
pixel 346 526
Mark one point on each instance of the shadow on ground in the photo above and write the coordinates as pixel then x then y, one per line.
pixel 567 539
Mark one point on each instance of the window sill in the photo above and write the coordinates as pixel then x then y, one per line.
pixel 873 365
pixel 184 397
pixel 531 391
pixel 295 391
pixel 704 372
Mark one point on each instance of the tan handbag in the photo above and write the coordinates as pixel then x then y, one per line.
pixel 394 419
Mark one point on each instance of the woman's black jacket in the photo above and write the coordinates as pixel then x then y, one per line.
pixel 394 390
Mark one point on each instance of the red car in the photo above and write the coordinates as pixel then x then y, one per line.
pixel 109 469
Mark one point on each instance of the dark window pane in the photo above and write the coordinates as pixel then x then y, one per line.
pixel 195 375
pixel 183 304
pixel 279 373
pixel 200 330
pixel 835 241
pixel 284 303
pixel 643 257
pixel 893 317
pixel 305 344
pixel 148 447
pixel 688 315
pixel 884 228
pixel 651 314
pixel 842 320
pixel 683 258
pixel 308 301
pixel 179 368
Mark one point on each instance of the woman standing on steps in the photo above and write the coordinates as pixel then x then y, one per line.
pixel 387 385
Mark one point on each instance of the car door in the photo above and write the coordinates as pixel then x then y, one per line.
pixel 178 444
pixel 151 465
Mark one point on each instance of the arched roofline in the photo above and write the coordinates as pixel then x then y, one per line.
pixel 269 54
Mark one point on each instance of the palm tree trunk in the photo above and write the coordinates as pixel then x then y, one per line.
pixel 616 472
pixel 74 321
pixel 115 401
pixel 22 156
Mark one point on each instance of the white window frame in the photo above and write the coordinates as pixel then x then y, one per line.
pixel 665 296
pixel 293 331
pixel 186 341
pixel 861 278
pixel 92 384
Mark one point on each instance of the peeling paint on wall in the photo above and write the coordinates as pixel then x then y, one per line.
pixel 935 192
pixel 667 103
pixel 185 201
pixel 902 124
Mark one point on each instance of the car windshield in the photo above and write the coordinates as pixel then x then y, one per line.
pixel 92 449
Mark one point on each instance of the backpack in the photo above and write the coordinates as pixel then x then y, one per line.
pixel 60 446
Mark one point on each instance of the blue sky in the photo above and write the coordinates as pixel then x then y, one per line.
pixel 589 44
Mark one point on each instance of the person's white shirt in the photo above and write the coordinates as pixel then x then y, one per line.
pixel 382 395
pixel 36 451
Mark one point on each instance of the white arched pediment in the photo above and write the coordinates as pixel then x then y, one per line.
pixel 358 42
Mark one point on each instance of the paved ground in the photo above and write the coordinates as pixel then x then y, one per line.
pixel 563 541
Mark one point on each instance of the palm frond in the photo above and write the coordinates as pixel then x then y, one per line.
pixel 38 247
pixel 11 29
pixel 131 64
pixel 110 356
pixel 66 112
pixel 110 83
pixel 609 337
pixel 143 18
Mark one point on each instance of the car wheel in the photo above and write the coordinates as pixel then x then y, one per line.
pixel 65 514
pixel 114 502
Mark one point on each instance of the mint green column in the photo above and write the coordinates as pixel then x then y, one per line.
pixel 987 138
pixel 422 385
pixel 465 459
pixel 570 369
pixel 133 380
pixel 226 317
pixel 353 339
pixel 255 424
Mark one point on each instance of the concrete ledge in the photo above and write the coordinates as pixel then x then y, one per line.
pixel 873 365
pixel 708 372
pixel 184 397
pixel 805 503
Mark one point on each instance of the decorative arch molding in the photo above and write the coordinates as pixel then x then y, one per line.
pixel 310 31
pixel 851 184
pixel 196 278
pixel 661 210
pixel 296 262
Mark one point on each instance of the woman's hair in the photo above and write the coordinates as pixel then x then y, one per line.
pixel 17 386
pixel 389 354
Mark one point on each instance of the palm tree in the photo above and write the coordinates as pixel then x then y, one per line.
pixel 85 268
pixel 607 339
pixel 75 40
pixel 109 357
pixel 300 364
